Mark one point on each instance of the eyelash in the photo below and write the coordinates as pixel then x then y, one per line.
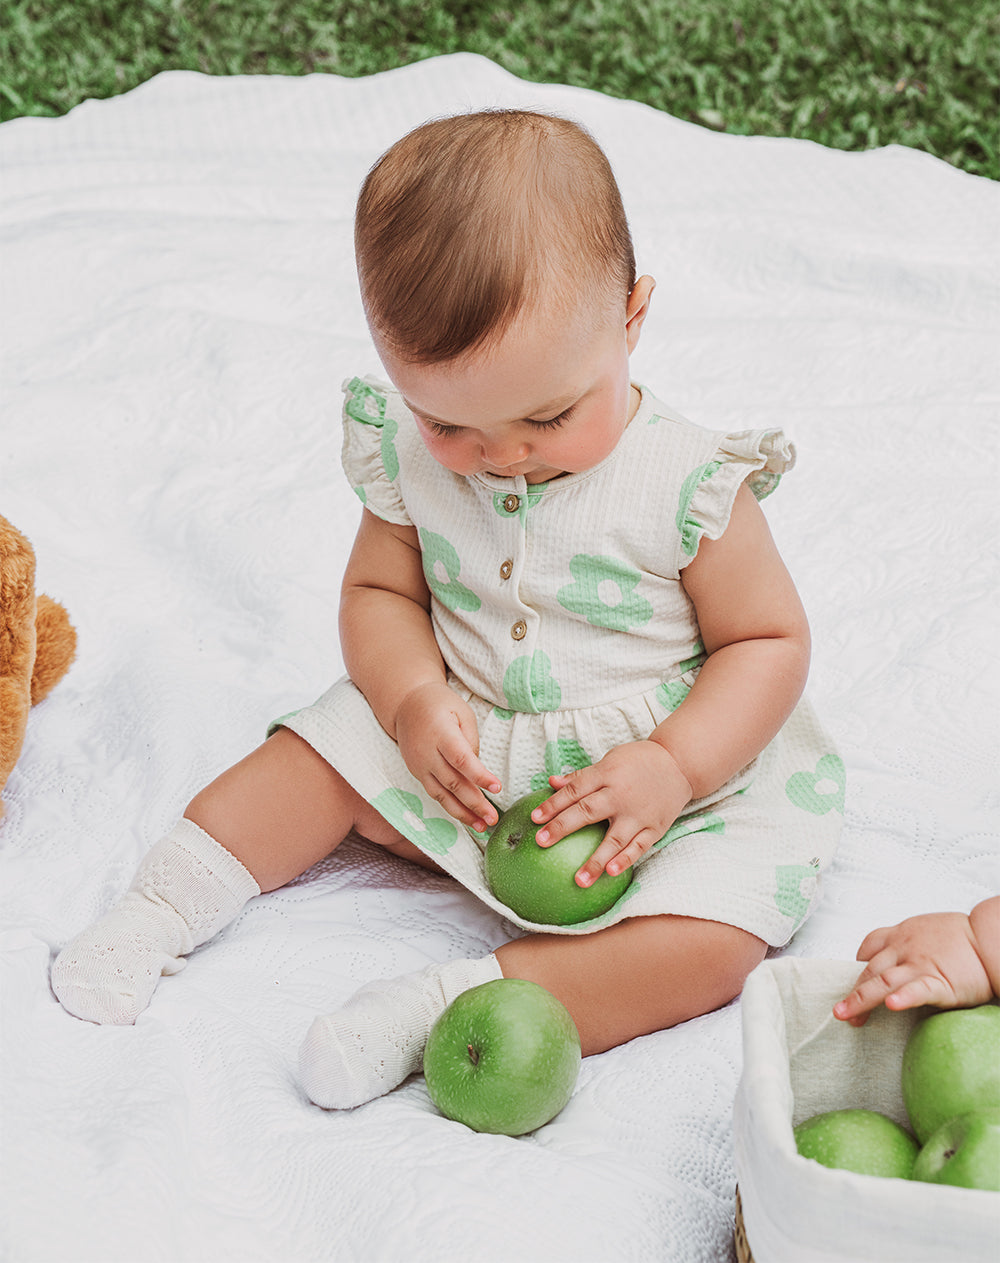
pixel 444 431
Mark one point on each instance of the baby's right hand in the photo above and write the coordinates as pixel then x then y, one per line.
pixel 438 738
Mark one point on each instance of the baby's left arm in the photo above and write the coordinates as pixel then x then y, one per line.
pixel 756 636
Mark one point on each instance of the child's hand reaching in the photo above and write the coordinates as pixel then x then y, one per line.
pixel 637 787
pixel 942 958
pixel 438 738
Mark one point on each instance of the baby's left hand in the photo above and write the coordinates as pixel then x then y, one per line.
pixel 637 787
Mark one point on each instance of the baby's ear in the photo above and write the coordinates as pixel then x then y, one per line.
pixel 636 309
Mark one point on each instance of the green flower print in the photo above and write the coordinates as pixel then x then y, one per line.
pixel 366 404
pixel 691 530
pixel 604 592
pixel 788 896
pixel 405 812
pixel 708 822
pixel 564 755
pixel 529 685
pixel 528 502
pixel 441 569
pixel 671 693
pixel 820 791
pixel 762 482
pixel 368 407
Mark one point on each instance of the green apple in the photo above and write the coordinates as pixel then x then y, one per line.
pixel 963 1151
pixel 536 881
pixel 951 1066
pixel 858 1140
pixel 503 1057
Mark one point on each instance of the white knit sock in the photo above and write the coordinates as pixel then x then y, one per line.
pixel 186 889
pixel 370 1045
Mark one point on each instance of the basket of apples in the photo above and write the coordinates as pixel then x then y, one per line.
pixel 879 1142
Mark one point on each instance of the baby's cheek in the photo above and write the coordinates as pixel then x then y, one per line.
pixel 451 453
pixel 461 458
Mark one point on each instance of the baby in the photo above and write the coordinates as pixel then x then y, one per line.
pixel 557 582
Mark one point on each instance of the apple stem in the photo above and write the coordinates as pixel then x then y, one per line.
pixel 473 1055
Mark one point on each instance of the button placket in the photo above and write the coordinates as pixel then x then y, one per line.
pixel 513 504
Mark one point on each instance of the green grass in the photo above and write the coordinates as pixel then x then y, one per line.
pixel 849 73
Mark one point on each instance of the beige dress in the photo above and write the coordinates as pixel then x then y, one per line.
pixel 560 612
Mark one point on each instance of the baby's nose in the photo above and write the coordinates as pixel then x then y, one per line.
pixel 502 453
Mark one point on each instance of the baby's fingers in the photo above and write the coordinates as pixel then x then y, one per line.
pixel 614 855
pixel 461 779
pixel 572 806
pixel 868 994
pixel 873 943
pixel 925 989
pixel 895 986
pixel 474 816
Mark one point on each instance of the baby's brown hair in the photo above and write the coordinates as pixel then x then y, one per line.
pixel 464 220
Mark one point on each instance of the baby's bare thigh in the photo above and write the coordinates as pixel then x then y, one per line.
pixel 283 808
pixel 375 828
pixel 360 814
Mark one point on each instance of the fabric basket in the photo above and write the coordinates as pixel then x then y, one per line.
pixel 798 1060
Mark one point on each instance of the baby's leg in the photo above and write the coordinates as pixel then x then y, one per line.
pixel 256 827
pixel 633 978
pixel 283 808
pixel 639 976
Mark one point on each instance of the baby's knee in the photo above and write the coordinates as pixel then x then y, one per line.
pixel 740 957
pixel 724 955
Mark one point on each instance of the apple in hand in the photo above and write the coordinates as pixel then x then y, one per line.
pixel 858 1140
pixel 536 882
pixel 964 1151
pixel 951 1066
pixel 503 1057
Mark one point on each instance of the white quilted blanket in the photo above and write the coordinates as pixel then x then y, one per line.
pixel 178 312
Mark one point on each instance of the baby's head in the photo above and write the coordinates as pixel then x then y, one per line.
pixel 498 279
pixel 468 222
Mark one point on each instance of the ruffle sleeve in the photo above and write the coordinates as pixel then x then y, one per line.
pixel 758 458
pixel 370 456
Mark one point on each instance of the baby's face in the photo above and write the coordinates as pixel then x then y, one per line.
pixel 547 400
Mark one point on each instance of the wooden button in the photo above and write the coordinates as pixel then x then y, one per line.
pixel 512 503
pixel 519 630
pixel 506 569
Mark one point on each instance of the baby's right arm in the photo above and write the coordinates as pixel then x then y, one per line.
pixel 392 656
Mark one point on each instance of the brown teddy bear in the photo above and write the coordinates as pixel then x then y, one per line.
pixel 37 644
